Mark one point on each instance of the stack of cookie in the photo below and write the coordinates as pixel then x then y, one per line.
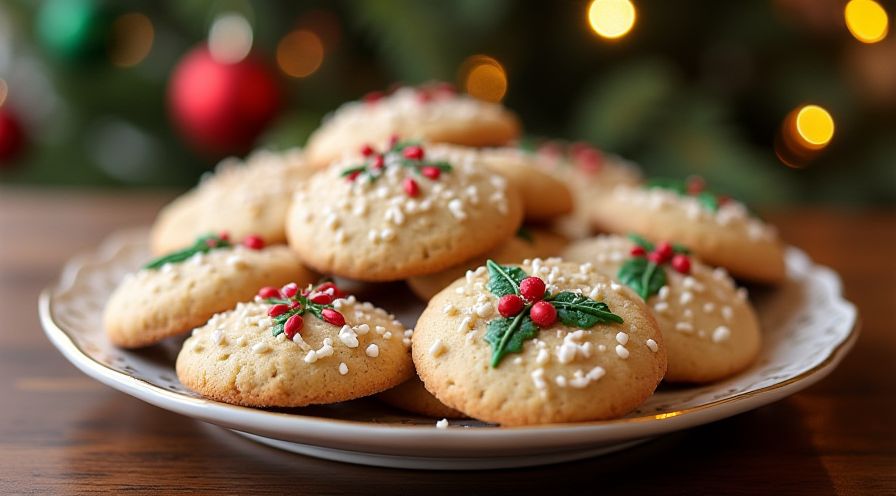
pixel 523 316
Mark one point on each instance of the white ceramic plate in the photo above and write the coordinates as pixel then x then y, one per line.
pixel 808 328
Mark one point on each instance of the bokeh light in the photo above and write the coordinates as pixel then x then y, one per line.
pixel 300 53
pixel 230 38
pixel 484 78
pixel 814 126
pixel 611 18
pixel 132 38
pixel 866 20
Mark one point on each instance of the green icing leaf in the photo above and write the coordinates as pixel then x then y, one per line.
pixel 506 335
pixel 640 241
pixel 576 310
pixel 204 244
pixel 708 200
pixel 504 279
pixel 642 275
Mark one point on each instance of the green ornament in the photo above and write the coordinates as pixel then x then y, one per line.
pixel 74 30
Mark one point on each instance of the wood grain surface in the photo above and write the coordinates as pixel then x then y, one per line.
pixel 63 433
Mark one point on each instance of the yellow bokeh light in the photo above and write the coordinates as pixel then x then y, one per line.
pixel 484 78
pixel 814 126
pixel 611 18
pixel 132 37
pixel 866 20
pixel 300 53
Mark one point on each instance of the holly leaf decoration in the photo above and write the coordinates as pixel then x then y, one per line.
pixel 708 200
pixel 640 241
pixel 504 279
pixel 642 275
pixel 204 244
pixel 576 310
pixel 507 335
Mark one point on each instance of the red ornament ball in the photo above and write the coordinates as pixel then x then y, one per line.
pixel 510 305
pixel 543 314
pixel 681 263
pixel 532 288
pixel 12 137
pixel 663 252
pixel 220 107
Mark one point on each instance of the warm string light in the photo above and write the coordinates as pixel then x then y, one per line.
pixel 866 20
pixel 300 53
pixel 805 132
pixel 230 38
pixel 484 78
pixel 611 19
pixel 132 39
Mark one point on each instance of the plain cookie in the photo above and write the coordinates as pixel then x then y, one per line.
pixel 517 368
pixel 710 329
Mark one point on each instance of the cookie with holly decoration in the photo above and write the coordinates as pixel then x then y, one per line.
pixel 719 230
pixel 413 397
pixel 544 196
pixel 241 197
pixel 528 242
pixel 181 290
pixel 542 342
pixel 710 329
pixel 588 172
pixel 433 112
pixel 399 212
pixel 295 346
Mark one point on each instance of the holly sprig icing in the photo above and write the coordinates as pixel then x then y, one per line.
pixel 526 306
pixel 203 244
pixel 643 271
pixel 407 154
pixel 288 305
pixel 693 186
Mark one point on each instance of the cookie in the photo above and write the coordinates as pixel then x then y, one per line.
pixel 710 329
pixel 565 345
pixel 433 112
pixel 411 396
pixel 720 231
pixel 291 349
pixel 526 243
pixel 401 213
pixel 182 290
pixel 241 197
pixel 589 173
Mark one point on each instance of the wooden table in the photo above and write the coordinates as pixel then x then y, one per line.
pixel 61 432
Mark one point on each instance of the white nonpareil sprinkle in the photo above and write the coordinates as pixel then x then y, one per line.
pixel 622 338
pixel 721 333
pixel 580 379
pixel 343 368
pixel 465 324
pixel 348 337
pixel 387 335
pixel 311 357
pixel 218 337
pixel 442 424
pixel 566 352
pixel 708 307
pixel 686 297
pixel 664 293
pixel 622 351
pixel 449 309
pixel 362 329
pixel 260 348
pixel 437 348
pixel 379 330
pixel 684 327
pixel 652 345
pixel 727 313
pixel 372 351
pixel 542 357
pixel 456 207
pixel 661 307
pixel 484 310
pixel 601 347
pixel 241 341
pixel 538 379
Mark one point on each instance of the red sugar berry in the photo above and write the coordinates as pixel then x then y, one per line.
pixel 330 288
pixel 293 325
pixel 367 150
pixel 681 263
pixel 723 200
pixel 331 316
pixel 289 290
pixel 378 162
pixel 532 288
pixel 253 242
pixel 277 309
pixel 510 305
pixel 321 298
pixel 424 96
pixel 411 187
pixel 655 258
pixel 695 185
pixel 269 292
pixel 664 251
pixel 393 140
pixel 211 242
pixel 638 251
pixel 294 305
pixel 373 97
pixel 431 172
pixel 353 175
pixel 224 235
pixel 413 152
pixel 543 314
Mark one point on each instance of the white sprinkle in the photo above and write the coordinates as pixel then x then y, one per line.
pixel 437 348
pixel 218 337
pixel 661 307
pixel 456 207
pixel 708 307
pixel 343 368
pixel 516 361
pixel 742 294
pixel 566 352
pixel 362 329
pixel 721 333
pixel 442 424
pixel 622 351
pixel 684 327
pixel 686 297
pixel 621 338
pixel 652 345
pixel 664 293
pixel 261 348
pixel 560 380
pixel 601 347
pixel 484 309
pixel 241 341
pixel 379 330
pixel 538 379
pixel 311 357
pixel 236 261
pixel 542 357
pixel 348 337
pixel 465 324
pixel 341 237
pixel 372 351
pixel 727 313
pixel 387 335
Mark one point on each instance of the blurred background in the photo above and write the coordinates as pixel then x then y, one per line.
pixel 774 101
